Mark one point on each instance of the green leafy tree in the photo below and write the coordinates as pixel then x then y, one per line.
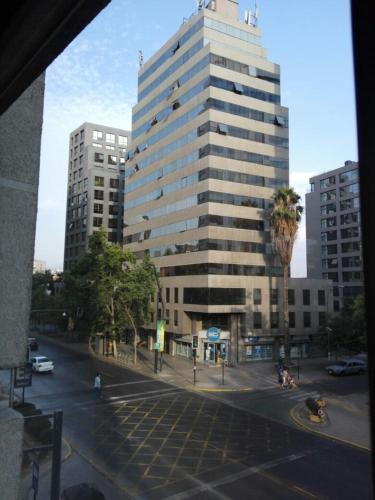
pixel 284 218
pixel 109 289
pixel 346 332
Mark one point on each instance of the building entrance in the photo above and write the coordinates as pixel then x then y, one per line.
pixel 213 351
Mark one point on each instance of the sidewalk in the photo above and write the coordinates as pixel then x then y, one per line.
pixel 348 425
pixel 348 419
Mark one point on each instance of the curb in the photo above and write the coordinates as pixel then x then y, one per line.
pixel 297 421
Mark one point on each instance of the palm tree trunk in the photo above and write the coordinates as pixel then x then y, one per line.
pixel 286 313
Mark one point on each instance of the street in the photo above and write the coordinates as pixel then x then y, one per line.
pixel 148 439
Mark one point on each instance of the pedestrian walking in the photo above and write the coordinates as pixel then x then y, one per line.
pixel 284 375
pixel 98 385
pixel 290 382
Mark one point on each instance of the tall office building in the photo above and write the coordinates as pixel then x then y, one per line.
pixel 96 159
pixel 209 147
pixel 333 231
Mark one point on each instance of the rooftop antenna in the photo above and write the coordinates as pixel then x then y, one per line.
pixel 247 16
pixel 200 4
pixel 140 58
pixel 254 18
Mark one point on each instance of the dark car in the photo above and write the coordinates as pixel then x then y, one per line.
pixel 33 344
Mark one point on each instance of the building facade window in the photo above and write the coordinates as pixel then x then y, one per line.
pixel 110 138
pixel 329 181
pixel 306 319
pixel 257 320
pixel 114 183
pixel 98 157
pixel 350 176
pixel 322 318
pixel 99 181
pixel 274 296
pixel 321 297
pixel 97 135
pixel 98 194
pixel 175 317
pixel 257 294
pixel 274 319
pixel 167 295
pixel 306 297
pixel 291 297
pixel 176 295
pixel 292 319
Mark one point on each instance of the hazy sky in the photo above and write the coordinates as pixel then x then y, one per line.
pixel 95 80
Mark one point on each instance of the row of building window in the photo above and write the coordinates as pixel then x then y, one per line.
pixel 112 209
pixel 275 297
pixel 205 245
pixel 198 199
pixel 347 247
pixel 111 159
pixel 76 238
pixel 76 162
pixel 349 176
pixel 113 183
pixel 344 205
pixel 348 190
pixel 350 232
pixel 112 195
pixel 195 223
pixel 240 155
pixel 241 133
pixel 98 222
pixel 353 261
pixel 171 69
pixel 222 269
pixel 347 276
pixel 98 135
pixel 350 218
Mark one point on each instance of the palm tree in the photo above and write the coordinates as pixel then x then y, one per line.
pixel 284 216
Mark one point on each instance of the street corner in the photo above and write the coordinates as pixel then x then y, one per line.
pixel 299 416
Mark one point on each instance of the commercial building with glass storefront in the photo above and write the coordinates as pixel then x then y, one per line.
pixel 209 148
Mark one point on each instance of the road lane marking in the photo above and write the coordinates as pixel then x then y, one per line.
pixel 114 398
pixel 234 477
pixel 145 381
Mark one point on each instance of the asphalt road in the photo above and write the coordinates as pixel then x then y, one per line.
pixel 146 439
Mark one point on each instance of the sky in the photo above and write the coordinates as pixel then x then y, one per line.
pixel 95 80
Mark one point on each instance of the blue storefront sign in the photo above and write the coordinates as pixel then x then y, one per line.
pixel 213 334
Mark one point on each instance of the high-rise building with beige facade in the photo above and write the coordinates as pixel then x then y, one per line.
pixel 209 148
pixel 96 159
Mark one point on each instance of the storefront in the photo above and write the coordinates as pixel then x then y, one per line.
pixel 213 345
pixel 183 349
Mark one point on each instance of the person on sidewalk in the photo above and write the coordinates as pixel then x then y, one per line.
pixel 284 375
pixel 98 385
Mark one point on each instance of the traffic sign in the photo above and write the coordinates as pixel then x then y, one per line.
pixel 24 376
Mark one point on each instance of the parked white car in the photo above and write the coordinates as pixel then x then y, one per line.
pixel 347 367
pixel 42 364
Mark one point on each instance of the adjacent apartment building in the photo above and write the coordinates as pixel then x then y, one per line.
pixel 209 148
pixel 333 231
pixel 96 159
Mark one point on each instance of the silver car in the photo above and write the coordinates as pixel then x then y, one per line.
pixel 348 367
